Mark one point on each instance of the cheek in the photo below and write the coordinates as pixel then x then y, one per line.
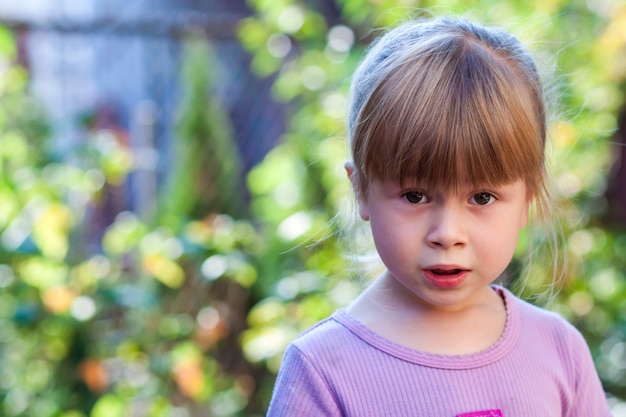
pixel 497 235
pixel 393 240
pixel 524 216
pixel 503 241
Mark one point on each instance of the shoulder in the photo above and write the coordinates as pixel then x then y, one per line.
pixel 303 385
pixel 533 313
pixel 548 326
pixel 555 343
pixel 315 364
pixel 333 347
pixel 327 335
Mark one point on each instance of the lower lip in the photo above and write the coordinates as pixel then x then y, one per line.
pixel 446 281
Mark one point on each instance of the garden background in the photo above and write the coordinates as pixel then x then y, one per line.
pixel 158 265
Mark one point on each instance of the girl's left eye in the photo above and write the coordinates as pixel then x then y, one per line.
pixel 415 197
pixel 483 198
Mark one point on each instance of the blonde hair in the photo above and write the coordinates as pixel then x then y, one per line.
pixel 449 101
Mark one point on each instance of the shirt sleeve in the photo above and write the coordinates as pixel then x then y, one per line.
pixel 300 390
pixel 589 397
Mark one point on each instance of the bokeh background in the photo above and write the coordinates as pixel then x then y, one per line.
pixel 172 196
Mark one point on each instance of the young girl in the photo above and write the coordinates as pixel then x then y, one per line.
pixel 447 128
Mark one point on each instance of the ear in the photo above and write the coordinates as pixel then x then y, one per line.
pixel 356 186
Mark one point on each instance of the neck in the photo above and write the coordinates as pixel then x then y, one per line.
pixel 388 308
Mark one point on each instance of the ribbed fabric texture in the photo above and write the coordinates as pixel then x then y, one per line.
pixel 540 367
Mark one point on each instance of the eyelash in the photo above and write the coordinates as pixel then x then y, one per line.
pixel 420 197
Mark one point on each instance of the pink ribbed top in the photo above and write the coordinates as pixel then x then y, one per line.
pixel 540 367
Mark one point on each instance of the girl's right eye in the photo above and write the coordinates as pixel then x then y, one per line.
pixel 415 197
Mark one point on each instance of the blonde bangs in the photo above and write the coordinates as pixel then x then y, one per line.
pixel 454 112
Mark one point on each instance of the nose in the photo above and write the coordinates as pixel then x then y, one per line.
pixel 447 228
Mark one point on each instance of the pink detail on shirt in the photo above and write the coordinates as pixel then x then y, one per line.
pixel 485 413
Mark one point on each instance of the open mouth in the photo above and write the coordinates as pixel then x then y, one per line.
pixel 446 271
pixel 446 278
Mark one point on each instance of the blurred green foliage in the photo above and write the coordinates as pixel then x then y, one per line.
pixel 207 163
pixel 188 314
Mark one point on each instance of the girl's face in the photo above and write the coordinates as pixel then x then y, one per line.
pixel 445 247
